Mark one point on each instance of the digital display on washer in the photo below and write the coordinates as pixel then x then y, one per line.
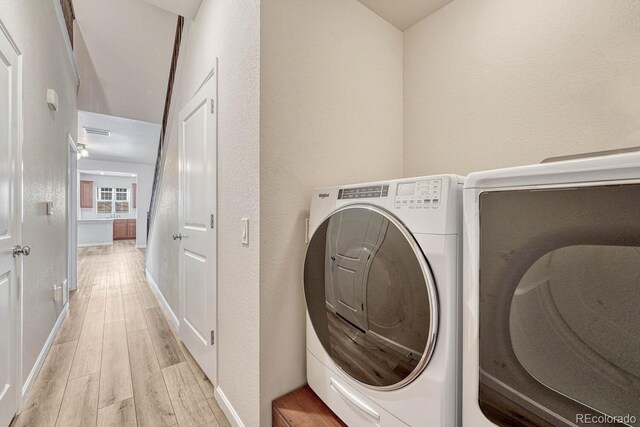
pixel 406 189
pixel 364 192
pixel 371 297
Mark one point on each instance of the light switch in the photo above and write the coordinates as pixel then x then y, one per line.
pixel 245 231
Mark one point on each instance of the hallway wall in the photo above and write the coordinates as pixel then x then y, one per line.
pixel 162 260
pixel 331 113
pixel 499 83
pixel 34 26
pixel 229 30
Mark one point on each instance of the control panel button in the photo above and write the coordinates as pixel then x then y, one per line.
pixel 417 195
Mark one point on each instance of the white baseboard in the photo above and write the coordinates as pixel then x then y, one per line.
pixel 86 245
pixel 141 246
pixel 31 379
pixel 227 408
pixel 165 305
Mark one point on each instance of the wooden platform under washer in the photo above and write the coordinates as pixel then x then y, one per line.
pixel 302 407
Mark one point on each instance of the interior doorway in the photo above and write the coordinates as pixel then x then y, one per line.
pixel 198 201
pixel 107 207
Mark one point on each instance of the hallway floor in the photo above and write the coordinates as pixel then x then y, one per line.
pixel 116 360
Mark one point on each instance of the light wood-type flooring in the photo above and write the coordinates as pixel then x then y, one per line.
pixel 116 361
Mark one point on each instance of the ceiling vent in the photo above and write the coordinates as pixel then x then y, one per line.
pixel 96 131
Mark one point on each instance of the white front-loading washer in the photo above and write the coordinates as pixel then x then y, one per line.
pixel 551 317
pixel 382 282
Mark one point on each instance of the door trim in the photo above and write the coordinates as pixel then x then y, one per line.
pixel 18 332
pixel 72 217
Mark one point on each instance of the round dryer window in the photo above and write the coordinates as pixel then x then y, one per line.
pixel 371 296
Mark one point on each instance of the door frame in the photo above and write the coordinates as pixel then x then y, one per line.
pixel 18 198
pixel 212 74
pixel 72 216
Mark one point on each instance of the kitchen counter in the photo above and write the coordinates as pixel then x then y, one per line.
pixel 95 232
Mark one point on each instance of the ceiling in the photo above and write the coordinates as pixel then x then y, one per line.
pixel 131 141
pixel 404 13
pixel 123 52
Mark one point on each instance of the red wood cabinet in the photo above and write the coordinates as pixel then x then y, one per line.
pixel 86 194
pixel 131 228
pixel 119 229
pixel 124 229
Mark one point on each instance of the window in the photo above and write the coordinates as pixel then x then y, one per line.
pixel 122 200
pixel 112 200
pixel 104 200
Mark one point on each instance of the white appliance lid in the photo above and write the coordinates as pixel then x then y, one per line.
pixel 605 168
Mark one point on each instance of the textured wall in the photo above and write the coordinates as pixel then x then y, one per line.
pixel 497 83
pixel 162 260
pixel 331 113
pixel 162 251
pixel 229 30
pixel 34 26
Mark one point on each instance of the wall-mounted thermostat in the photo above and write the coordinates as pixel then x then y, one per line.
pixel 52 99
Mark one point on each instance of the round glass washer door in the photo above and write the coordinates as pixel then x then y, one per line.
pixel 371 296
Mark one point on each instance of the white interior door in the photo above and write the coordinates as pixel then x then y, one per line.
pixel 10 193
pixel 352 241
pixel 198 230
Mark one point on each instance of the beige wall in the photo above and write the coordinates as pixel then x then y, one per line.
pixel 35 29
pixel 497 83
pixel 162 261
pixel 331 113
pixel 229 30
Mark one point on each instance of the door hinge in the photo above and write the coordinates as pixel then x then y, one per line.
pixel 213 337
pixel 213 220
pixel 213 106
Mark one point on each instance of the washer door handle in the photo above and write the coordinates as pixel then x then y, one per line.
pixel 354 399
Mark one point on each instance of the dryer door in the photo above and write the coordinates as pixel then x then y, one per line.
pixel 371 296
pixel 559 302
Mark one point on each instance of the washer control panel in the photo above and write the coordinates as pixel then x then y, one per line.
pixel 365 192
pixel 419 194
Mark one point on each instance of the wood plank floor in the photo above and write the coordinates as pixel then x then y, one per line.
pixel 116 361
